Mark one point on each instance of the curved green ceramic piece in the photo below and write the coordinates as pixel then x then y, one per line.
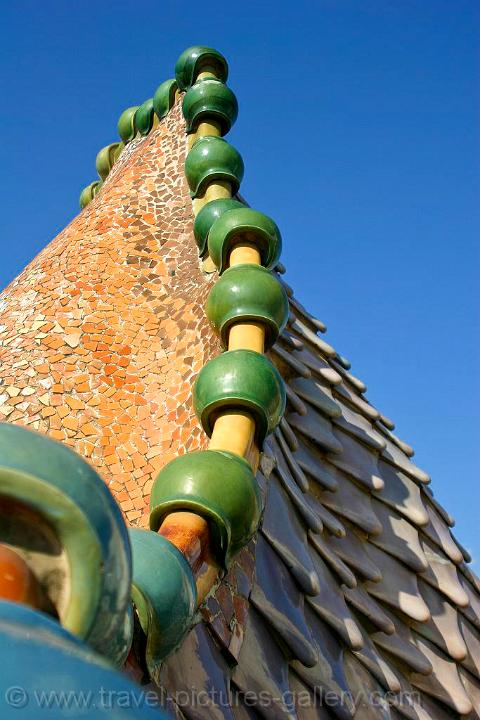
pixel 213 158
pixel 207 100
pixel 248 293
pixel 240 380
pixel 164 98
pixel 89 193
pixel 118 151
pixel 126 124
pixel 144 117
pixel 207 216
pixel 247 226
pixel 62 488
pixel 216 485
pixel 195 59
pixel 106 158
pixel 164 593
pixel 37 656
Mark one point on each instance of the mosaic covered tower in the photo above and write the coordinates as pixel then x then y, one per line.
pixel 194 488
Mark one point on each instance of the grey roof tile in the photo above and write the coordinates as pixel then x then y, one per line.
pixel 353 552
pixel 290 459
pixel 344 393
pixel 287 535
pixel 402 493
pixel 364 603
pixel 308 459
pixel 444 682
pixel 400 646
pixel 317 428
pixel 443 575
pixel 443 628
pixel 262 670
pixel 352 503
pixel 357 460
pixel 279 601
pixel 398 587
pixel 438 532
pixel 197 677
pixel 399 538
pixel 327 677
pixel 330 605
pixel 361 428
pixel 316 394
pixel 324 548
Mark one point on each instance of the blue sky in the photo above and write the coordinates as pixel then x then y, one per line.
pixel 358 126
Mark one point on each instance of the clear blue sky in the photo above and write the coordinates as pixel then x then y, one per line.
pixel 358 125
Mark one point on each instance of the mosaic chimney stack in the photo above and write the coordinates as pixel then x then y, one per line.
pixel 193 486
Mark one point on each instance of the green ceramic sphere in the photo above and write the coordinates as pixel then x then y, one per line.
pixel 195 59
pixel 213 158
pixel 207 216
pixel 216 485
pixel 248 293
pixel 106 158
pixel 89 193
pixel 164 593
pixel 209 100
pixel 144 117
pixel 126 124
pixel 57 484
pixel 240 380
pixel 164 98
pixel 247 225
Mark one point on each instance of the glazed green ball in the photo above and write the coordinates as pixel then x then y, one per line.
pixel 248 293
pixel 207 216
pixel 240 380
pixel 213 158
pixel 216 485
pixel 193 60
pixel 208 100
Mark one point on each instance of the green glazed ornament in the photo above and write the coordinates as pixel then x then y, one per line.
pixel 207 216
pixel 89 193
pixel 240 380
pixel 216 485
pixel 126 124
pixel 248 293
pixel 208 100
pixel 195 59
pixel 39 657
pixel 244 225
pixel 144 117
pixel 51 480
pixel 213 158
pixel 164 593
pixel 164 98
pixel 106 158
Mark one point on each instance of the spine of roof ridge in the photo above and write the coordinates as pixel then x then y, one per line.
pixel 207 504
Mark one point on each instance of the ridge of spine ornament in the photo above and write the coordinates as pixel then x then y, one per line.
pixel 207 503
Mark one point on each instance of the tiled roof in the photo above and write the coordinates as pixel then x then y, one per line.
pixel 358 590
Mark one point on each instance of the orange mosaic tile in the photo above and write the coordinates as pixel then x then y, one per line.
pixel 111 318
